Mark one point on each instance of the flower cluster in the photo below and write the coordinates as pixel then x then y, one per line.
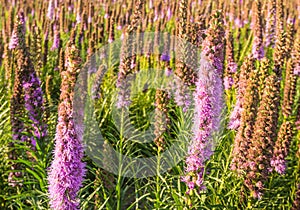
pixel 282 146
pixel 264 132
pixel 231 66
pixel 279 53
pixel 96 89
pixel 128 59
pixel 258 47
pixel 56 40
pixel 33 95
pixel 27 96
pixel 289 92
pixel 199 151
pixel 244 134
pixel 208 99
pixel 67 170
pixel 270 24
pixel 235 116
pixel 161 118
pixel 19 30
pixel 263 74
pixel 185 50
pixel 182 97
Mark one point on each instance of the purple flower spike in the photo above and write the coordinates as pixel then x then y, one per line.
pixel 182 98
pixel 50 13
pixel 199 151
pixel 56 41
pixel 208 99
pixel 235 117
pixel 67 170
pixel 34 105
pixel 13 41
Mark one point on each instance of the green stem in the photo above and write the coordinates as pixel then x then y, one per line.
pixel 119 181
pixel 157 205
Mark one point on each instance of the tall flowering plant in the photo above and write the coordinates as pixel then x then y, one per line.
pixel 67 170
pixel 31 85
pixel 261 145
pixel 208 103
pixel 128 59
pixel 236 115
pixel 28 96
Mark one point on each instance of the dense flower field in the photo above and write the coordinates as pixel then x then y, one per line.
pixel 188 104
